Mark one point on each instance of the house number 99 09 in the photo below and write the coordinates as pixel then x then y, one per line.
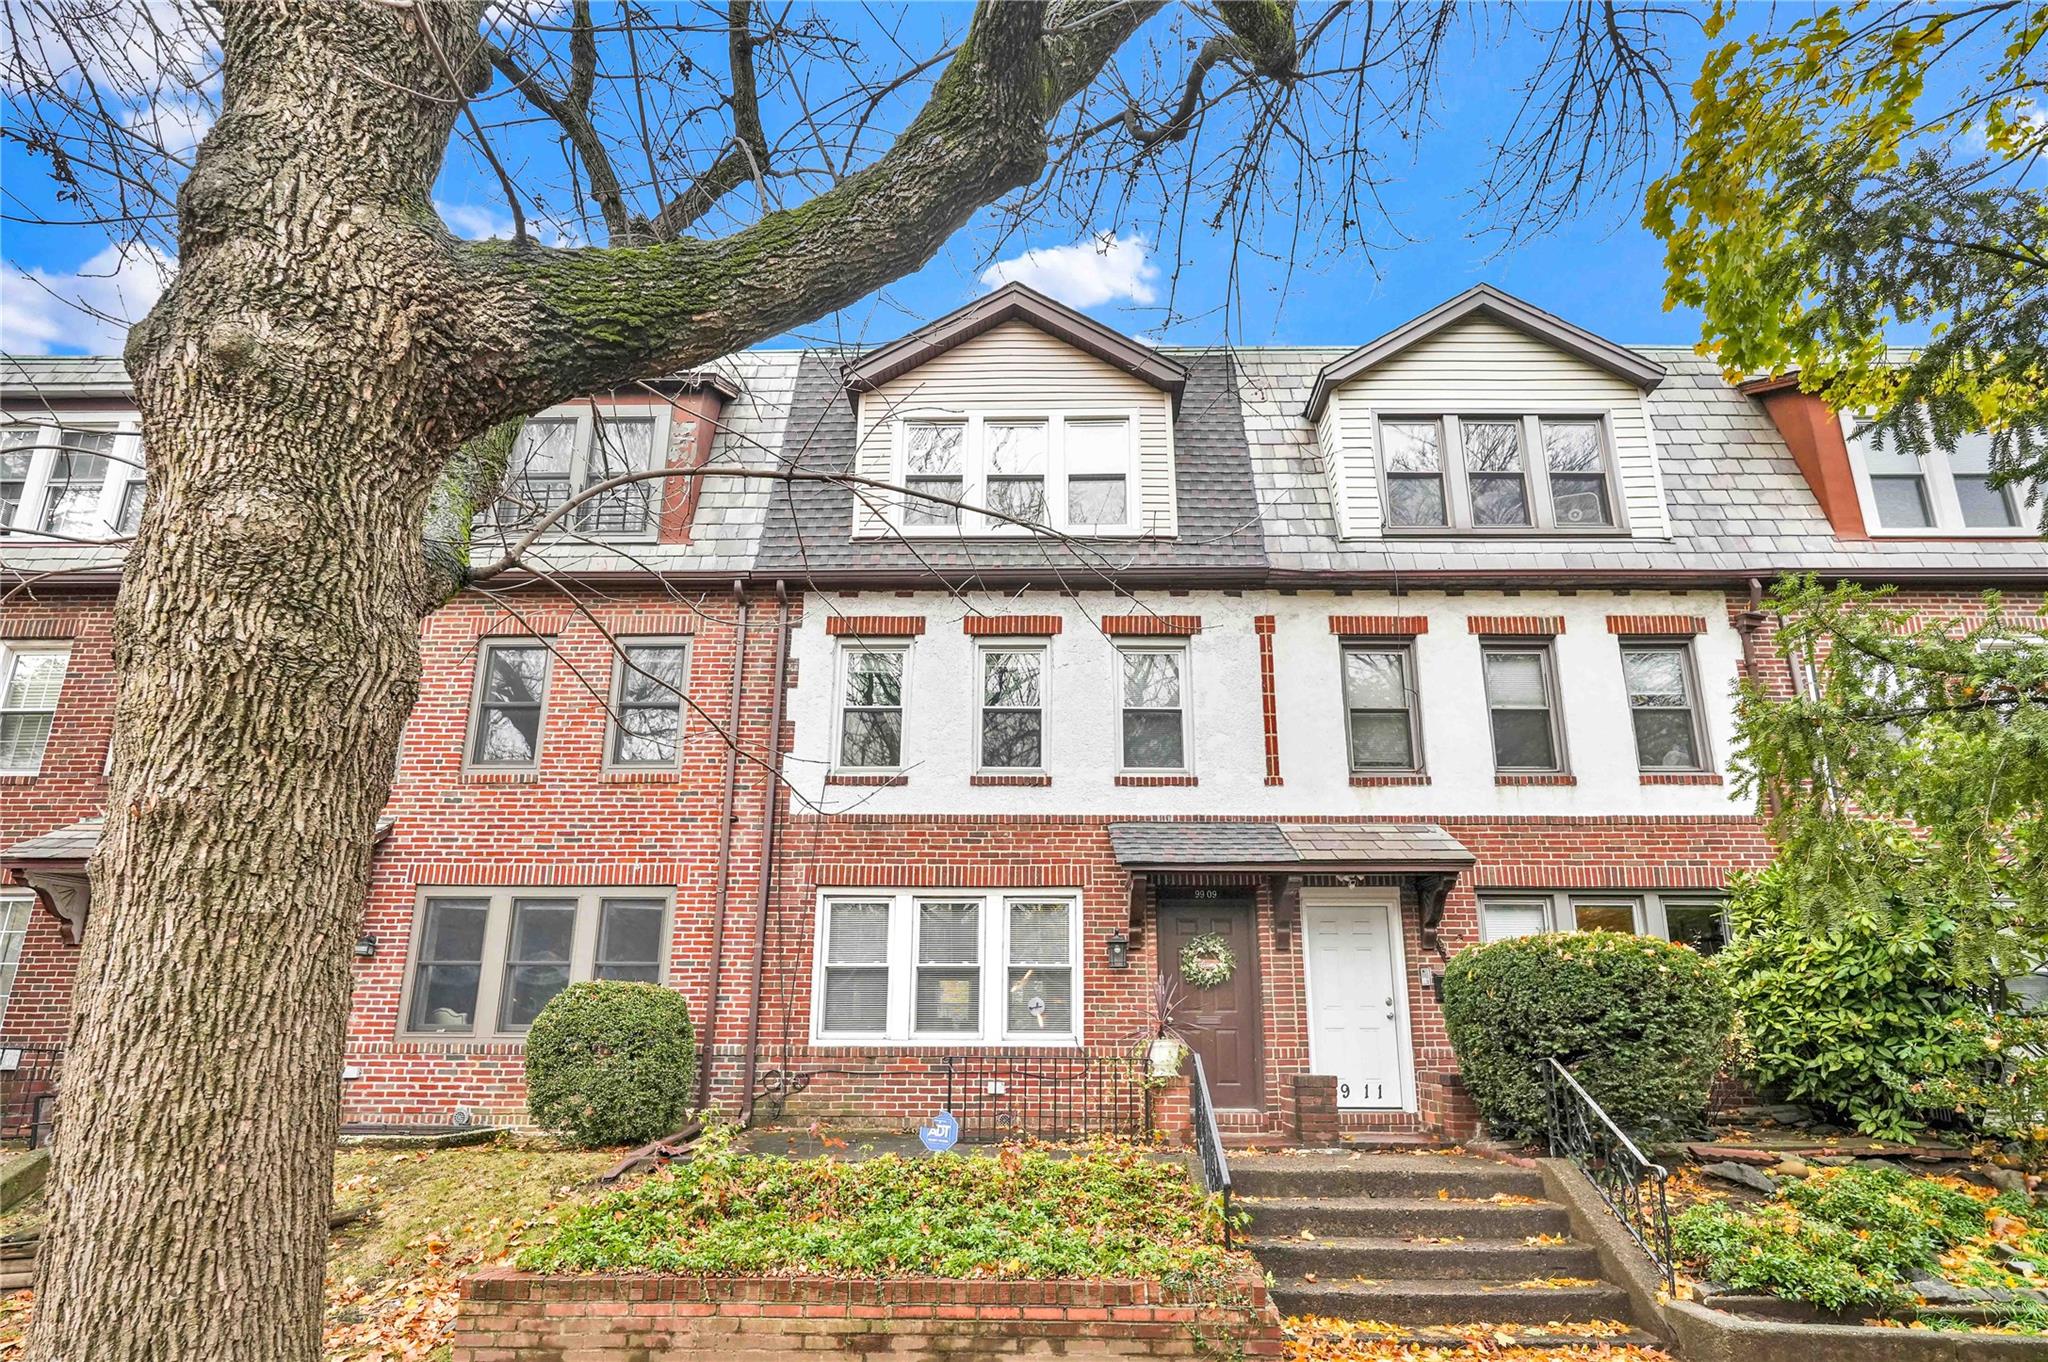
pixel 1208 893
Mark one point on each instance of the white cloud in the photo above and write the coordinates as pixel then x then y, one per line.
pixel 44 312
pixel 1088 273
pixel 473 222
pixel 174 123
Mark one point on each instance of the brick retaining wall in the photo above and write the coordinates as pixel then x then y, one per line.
pixel 509 1316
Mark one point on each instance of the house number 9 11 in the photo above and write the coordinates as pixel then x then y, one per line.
pixel 1372 1092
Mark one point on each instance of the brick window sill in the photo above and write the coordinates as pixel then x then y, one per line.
pixel 639 777
pixel 1536 780
pixel 1148 782
pixel 1374 782
pixel 1033 781
pixel 20 777
pixel 1680 778
pixel 879 780
pixel 499 778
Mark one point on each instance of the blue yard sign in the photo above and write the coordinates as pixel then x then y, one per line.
pixel 940 1133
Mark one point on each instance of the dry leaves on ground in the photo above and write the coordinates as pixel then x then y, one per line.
pixel 1311 1339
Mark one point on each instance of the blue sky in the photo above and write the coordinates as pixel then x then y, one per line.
pixel 1603 271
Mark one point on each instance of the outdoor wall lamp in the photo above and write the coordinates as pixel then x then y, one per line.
pixel 366 946
pixel 1119 951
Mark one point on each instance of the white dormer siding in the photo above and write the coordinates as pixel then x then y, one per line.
pixel 1479 367
pixel 1015 372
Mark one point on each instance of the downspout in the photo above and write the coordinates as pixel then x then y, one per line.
pixel 732 767
pixel 767 852
pixel 1746 624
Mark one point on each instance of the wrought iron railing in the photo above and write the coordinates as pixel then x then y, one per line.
pixel 1209 1142
pixel 1058 1095
pixel 1631 1185
pixel 28 1090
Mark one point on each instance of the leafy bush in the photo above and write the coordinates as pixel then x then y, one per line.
pixel 1641 1023
pixel 612 1063
pixel 1853 1020
pixel 2006 1096
pixel 1776 1249
pixel 1110 1211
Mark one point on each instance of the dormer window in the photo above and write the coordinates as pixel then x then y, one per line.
pixel 1070 473
pixel 1474 473
pixel 570 451
pixel 1944 491
pixel 72 482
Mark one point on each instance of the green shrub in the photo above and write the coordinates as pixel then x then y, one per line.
pixel 1855 1020
pixel 1642 1023
pixel 612 1063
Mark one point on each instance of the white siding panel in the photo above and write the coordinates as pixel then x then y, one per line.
pixel 1015 369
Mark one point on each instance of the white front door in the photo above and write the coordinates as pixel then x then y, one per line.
pixel 1358 1001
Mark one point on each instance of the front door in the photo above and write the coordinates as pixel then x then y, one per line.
pixel 1221 1022
pixel 1357 1000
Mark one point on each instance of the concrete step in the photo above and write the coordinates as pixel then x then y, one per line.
pixel 1336 1261
pixel 1400 1217
pixel 1411 1176
pixel 1484 1338
pixel 1426 1301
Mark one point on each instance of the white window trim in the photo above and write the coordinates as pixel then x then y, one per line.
pixel 1412 688
pixel 900 1028
pixel 13 941
pixel 1043 647
pixel 498 944
pixel 614 708
pixel 1938 481
pixel 1702 744
pixel 974 470
pixel 1535 472
pixel 123 467
pixel 484 648
pixel 840 672
pixel 1553 694
pixel 586 415
pixel 10 651
pixel 1651 907
pixel 1180 649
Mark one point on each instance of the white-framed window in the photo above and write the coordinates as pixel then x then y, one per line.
pixel 1698 920
pixel 15 910
pixel 944 967
pixel 872 682
pixel 1010 706
pixel 79 479
pixel 1152 707
pixel 31 679
pixel 1663 705
pixel 1073 472
pixel 1946 491
pixel 1521 704
pixel 486 961
pixel 509 704
pixel 646 723
pixel 1498 473
pixel 568 450
pixel 1381 724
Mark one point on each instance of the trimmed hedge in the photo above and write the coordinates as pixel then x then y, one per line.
pixel 612 1063
pixel 1641 1023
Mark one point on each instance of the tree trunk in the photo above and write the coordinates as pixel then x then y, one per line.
pixel 291 391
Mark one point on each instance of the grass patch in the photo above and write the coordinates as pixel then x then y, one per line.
pixel 1106 1211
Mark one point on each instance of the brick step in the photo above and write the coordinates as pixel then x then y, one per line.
pixel 1400 1217
pixel 1335 1261
pixel 1490 1336
pixel 1380 1175
pixel 1425 1301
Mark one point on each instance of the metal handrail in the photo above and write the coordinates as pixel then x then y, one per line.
pixel 1580 1130
pixel 1209 1142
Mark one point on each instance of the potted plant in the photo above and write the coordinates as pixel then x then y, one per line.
pixel 1165 1050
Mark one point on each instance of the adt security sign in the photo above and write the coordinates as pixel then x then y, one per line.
pixel 940 1133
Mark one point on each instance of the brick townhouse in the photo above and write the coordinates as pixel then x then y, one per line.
pixel 1332 663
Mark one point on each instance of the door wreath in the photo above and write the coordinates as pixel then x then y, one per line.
pixel 1206 961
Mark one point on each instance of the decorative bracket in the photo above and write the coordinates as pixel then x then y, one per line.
pixel 1141 901
pixel 1286 891
pixel 67 896
pixel 1430 893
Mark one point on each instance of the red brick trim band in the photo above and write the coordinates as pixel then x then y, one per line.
pixel 1656 626
pixel 1151 626
pixel 1379 626
pixel 875 626
pixel 627 624
pixel 1150 781
pixel 1269 705
pixel 1362 782
pixel 889 781
pixel 1039 781
pixel 60 626
pixel 525 625
pixel 1680 778
pixel 1552 779
pixel 1516 626
pixel 939 875
pixel 1010 626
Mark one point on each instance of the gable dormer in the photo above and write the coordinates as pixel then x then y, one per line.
pixel 1488 417
pixel 1021 405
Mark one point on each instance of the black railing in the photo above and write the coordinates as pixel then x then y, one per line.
pixel 28 1091
pixel 1060 1095
pixel 1209 1142
pixel 1631 1185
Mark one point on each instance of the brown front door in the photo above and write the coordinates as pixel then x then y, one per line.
pixel 1221 1023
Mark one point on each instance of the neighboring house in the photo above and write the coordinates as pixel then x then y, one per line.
pixel 1347 658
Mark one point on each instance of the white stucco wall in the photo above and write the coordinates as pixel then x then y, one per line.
pixel 1225 729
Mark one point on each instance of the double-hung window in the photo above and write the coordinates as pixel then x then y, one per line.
pixel 574 449
pixel 1663 705
pixel 1415 473
pixel 14 916
pixel 1695 920
pixel 31 678
pixel 1011 721
pixel 947 967
pixel 1097 457
pixel 1478 473
pixel 1521 702
pixel 871 707
pixel 647 703
pixel 1153 708
pixel 935 471
pixel 1944 490
pixel 486 961
pixel 1493 471
pixel 1379 707
pixel 71 481
pixel 511 695
pixel 1575 457
pixel 1054 471
pixel 1017 455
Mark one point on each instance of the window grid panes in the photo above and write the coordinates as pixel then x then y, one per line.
pixel 619 445
pixel 1983 506
pixel 647 729
pixel 1379 707
pixel 31 679
pixel 935 464
pixel 1012 708
pixel 77 481
pixel 511 692
pixel 1154 731
pixel 542 464
pixel 1519 704
pixel 17 455
pixel 871 709
pixel 1661 706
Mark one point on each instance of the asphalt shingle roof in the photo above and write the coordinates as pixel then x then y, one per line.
pixel 1194 842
